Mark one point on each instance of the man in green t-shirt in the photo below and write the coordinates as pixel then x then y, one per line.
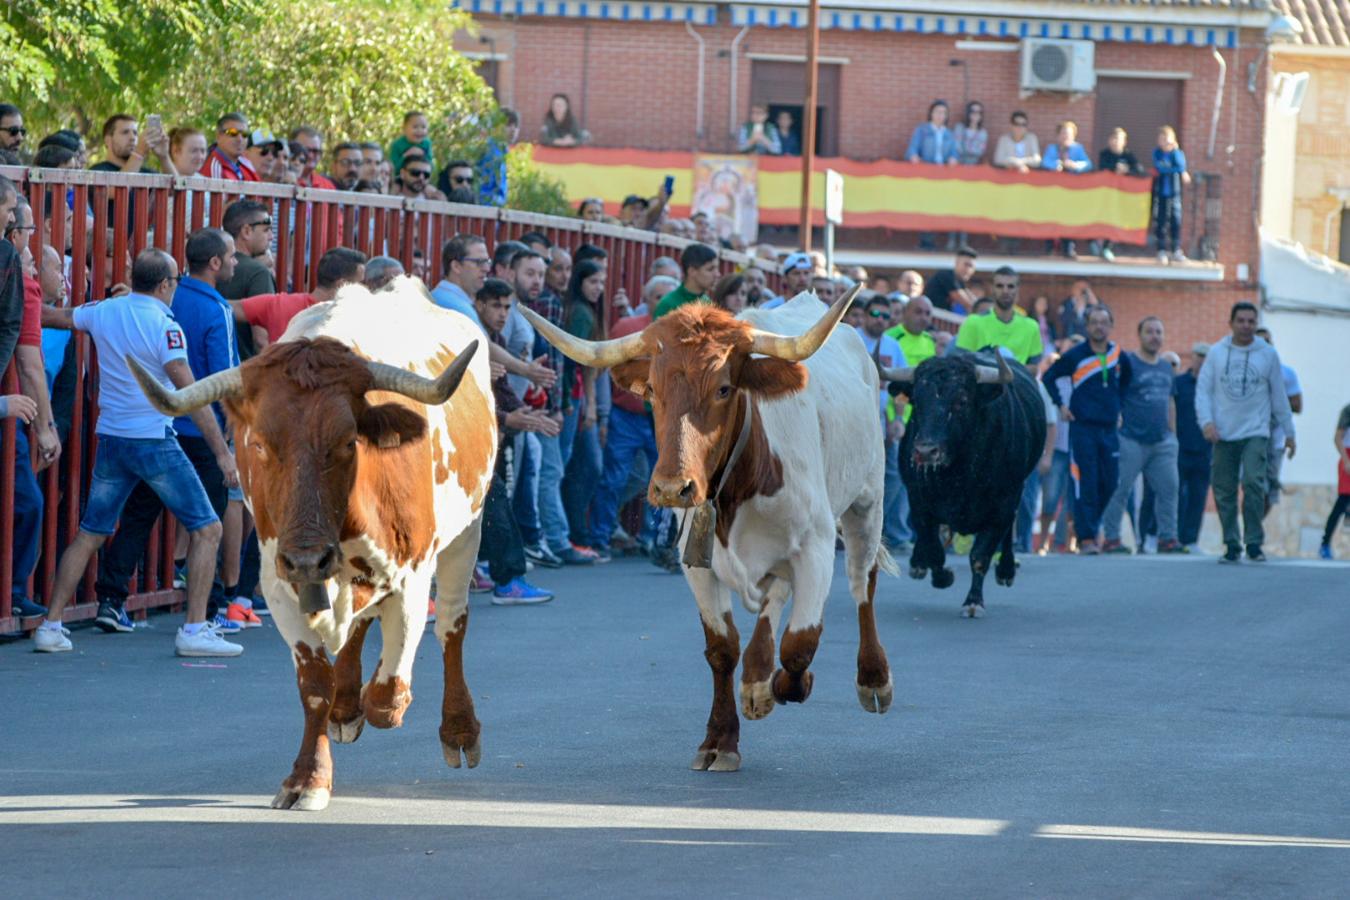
pixel 914 340
pixel 700 268
pixel 1002 326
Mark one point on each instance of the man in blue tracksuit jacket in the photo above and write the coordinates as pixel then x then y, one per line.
pixel 1100 375
pixel 208 330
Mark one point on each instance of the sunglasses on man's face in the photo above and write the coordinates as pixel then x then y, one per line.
pixel 461 179
pixel 419 173
pixel 15 130
pixel 234 132
pixel 1020 123
pixel 263 223
pixel 879 313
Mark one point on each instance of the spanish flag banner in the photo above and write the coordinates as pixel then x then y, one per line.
pixel 883 194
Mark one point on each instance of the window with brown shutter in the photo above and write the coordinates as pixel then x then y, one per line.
pixel 1139 105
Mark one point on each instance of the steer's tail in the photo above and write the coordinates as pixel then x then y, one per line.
pixel 886 562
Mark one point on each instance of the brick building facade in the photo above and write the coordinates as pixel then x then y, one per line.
pixel 635 84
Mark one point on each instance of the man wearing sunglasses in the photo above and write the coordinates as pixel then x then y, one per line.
pixel 263 154
pixel 249 223
pixel 226 159
pixel 458 175
pixel 414 178
pixel 12 131
pixel 884 349
pixel 312 142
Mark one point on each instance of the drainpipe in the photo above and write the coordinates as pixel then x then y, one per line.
pixel 702 55
pixel 1218 101
pixel 735 122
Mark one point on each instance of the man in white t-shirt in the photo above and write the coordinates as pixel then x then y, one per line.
pixel 136 443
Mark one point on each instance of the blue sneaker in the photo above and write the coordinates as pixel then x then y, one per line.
pixel 519 592
pixel 1324 552
pixel 112 618
pixel 24 607
pixel 260 605
pixel 180 576
pixel 224 625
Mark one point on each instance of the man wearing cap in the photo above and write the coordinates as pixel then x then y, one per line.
pixel 1193 460
pixel 797 271
pixel 262 154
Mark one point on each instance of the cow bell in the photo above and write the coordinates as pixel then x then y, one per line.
pixel 698 549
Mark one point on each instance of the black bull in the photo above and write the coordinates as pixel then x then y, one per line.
pixel 971 442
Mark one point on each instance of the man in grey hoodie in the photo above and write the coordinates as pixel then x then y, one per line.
pixel 1241 389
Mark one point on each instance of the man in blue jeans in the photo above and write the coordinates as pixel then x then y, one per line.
pixel 136 443
pixel 630 433
pixel 1101 375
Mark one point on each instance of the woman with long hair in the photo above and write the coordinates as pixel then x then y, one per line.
pixel 972 142
pixel 1040 311
pixel 584 317
pixel 560 126
pixel 592 209
pixel 730 292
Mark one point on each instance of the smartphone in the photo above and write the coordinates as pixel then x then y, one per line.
pixel 668 187
pixel 154 124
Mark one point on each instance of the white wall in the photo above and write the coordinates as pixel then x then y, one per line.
pixel 1318 347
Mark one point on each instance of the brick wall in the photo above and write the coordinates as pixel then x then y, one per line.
pixel 1322 149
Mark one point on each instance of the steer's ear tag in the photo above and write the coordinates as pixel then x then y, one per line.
pixel 702 528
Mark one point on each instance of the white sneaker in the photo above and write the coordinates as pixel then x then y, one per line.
pixel 51 640
pixel 1178 256
pixel 1163 258
pixel 206 642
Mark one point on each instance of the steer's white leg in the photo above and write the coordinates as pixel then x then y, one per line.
pixel 757 668
pixel 720 750
pixel 402 619
pixel 812 570
pixel 459 727
pixel 862 542
pixel 310 784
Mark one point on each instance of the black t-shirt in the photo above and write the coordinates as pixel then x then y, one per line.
pixel 1106 162
pixel 941 286
pixel 110 166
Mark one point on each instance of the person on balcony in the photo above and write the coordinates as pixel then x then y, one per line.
pixel 1169 166
pixel 560 126
pixel 1020 149
pixel 1066 155
pixel 787 136
pixel 933 143
pixel 1118 158
pixel 972 142
pixel 760 136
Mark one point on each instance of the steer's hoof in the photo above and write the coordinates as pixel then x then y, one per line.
pixel 943 578
pixel 472 754
pixel 716 761
pixel 307 800
pixel 756 699
pixel 918 573
pixel 876 699
pixel 973 611
pixel 1005 581
pixel 787 689
pixel 346 732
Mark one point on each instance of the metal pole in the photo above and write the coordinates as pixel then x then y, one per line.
pixel 829 246
pixel 809 117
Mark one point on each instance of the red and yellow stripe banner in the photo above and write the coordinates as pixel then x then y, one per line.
pixel 883 194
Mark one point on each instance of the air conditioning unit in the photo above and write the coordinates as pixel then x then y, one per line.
pixel 1058 65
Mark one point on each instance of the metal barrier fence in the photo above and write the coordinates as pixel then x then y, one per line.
pixel 120 215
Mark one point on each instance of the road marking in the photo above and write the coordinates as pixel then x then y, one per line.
pixel 1155 835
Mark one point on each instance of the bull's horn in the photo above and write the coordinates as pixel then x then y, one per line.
pixel 799 347
pixel 903 375
pixel 990 375
pixel 185 401
pixel 596 354
pixel 431 391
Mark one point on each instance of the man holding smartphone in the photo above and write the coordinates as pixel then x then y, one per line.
pixel 759 135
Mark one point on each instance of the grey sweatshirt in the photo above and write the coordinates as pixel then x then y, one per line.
pixel 1240 389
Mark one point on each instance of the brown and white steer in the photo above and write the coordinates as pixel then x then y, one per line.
pixel 364 482
pixel 813 459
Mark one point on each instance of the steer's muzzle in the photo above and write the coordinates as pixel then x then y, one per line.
pixel 308 565
pixel 678 492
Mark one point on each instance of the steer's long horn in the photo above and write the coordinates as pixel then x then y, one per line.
pixel 596 354
pixel 990 375
pixel 431 391
pixel 799 347
pixel 899 375
pixel 184 401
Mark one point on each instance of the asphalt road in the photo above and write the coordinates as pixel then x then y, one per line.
pixel 1113 727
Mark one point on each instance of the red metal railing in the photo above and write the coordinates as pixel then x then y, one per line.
pixel 120 215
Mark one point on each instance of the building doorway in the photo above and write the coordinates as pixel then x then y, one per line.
pixel 781 86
